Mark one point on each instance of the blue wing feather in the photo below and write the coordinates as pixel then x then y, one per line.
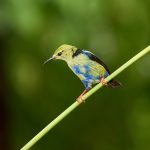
pixel 94 58
pixel 88 69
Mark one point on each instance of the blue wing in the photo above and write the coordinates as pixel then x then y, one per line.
pixel 94 58
pixel 90 70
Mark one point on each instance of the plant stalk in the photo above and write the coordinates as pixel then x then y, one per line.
pixel 87 95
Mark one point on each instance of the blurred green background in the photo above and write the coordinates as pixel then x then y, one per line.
pixel 33 95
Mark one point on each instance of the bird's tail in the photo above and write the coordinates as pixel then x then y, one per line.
pixel 113 83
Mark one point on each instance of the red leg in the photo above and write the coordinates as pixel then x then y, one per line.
pixel 79 99
pixel 103 81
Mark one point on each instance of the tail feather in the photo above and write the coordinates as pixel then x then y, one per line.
pixel 114 83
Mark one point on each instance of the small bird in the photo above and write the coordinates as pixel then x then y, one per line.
pixel 90 69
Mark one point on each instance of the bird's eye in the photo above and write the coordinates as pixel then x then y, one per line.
pixel 59 54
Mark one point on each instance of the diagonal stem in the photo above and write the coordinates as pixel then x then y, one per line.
pixel 87 95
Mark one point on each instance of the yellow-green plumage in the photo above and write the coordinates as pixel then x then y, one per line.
pixel 84 64
pixel 87 70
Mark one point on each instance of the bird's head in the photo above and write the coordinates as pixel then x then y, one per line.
pixel 64 52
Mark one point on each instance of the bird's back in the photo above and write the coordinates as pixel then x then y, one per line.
pixel 85 66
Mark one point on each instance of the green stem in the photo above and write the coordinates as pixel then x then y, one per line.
pixel 87 95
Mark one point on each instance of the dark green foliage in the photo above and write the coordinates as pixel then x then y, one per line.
pixel 32 95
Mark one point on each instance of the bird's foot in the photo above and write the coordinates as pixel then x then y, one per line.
pixel 80 99
pixel 103 81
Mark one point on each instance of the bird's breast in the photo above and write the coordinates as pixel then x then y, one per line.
pixel 87 70
pixel 84 72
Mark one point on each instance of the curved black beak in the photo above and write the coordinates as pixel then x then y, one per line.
pixel 52 58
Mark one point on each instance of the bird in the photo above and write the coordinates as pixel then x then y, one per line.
pixel 88 67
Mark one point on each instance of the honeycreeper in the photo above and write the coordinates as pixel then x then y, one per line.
pixel 90 69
